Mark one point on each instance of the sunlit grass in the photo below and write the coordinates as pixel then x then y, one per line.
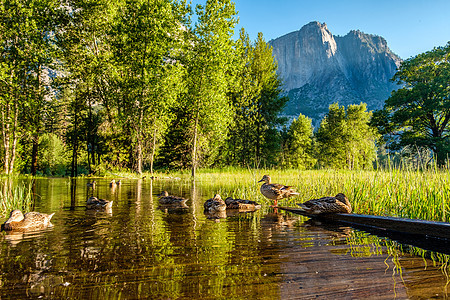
pixel 15 196
pixel 408 193
pixel 400 193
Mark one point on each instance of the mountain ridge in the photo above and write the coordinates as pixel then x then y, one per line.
pixel 318 68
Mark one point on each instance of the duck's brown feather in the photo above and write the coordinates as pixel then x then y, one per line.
pixel 337 204
pixel 241 204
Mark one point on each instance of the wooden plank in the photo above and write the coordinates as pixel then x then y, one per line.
pixel 440 230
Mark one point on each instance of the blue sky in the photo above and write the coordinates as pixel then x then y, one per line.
pixel 410 27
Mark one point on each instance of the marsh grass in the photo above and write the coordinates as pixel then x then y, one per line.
pixel 15 196
pixel 416 194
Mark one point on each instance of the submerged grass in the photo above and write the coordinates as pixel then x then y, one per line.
pixel 15 196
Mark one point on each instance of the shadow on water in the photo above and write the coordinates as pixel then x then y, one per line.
pixel 143 250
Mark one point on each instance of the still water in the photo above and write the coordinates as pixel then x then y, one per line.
pixel 140 250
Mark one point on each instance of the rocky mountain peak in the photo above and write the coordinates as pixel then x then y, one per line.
pixel 318 68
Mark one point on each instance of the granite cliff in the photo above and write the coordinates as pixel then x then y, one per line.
pixel 318 68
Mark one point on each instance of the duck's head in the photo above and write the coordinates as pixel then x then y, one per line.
pixel 341 197
pixel 113 181
pixel 163 194
pixel 91 200
pixel 16 216
pixel 266 179
pixel 217 197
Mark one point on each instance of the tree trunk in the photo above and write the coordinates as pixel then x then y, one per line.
pixel 139 156
pixel 6 135
pixel 194 147
pixel 139 143
pixel 73 171
pixel 34 153
pixel 9 132
pixel 152 157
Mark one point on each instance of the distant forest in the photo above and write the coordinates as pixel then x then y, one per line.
pixel 94 85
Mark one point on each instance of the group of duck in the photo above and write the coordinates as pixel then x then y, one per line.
pixel 272 191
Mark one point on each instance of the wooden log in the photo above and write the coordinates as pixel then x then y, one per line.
pixel 429 235
pixel 440 230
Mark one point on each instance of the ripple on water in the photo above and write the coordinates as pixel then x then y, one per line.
pixel 140 250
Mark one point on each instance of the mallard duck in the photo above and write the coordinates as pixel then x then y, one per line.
pixel 31 220
pixel 166 199
pixel 324 205
pixel 91 184
pixel 215 204
pixel 275 191
pixel 118 182
pixel 95 203
pixel 241 204
pixel 112 183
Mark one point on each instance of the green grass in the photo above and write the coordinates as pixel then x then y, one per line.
pixel 408 193
pixel 400 193
pixel 15 196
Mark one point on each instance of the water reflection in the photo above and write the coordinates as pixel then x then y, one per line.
pixel 142 250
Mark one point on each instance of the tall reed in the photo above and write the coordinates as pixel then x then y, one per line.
pixel 15 196
pixel 409 193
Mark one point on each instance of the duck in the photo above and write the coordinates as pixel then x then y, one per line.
pixel 241 204
pixel 166 199
pixel 31 220
pixel 112 183
pixel 96 203
pixel 275 191
pixel 215 204
pixel 327 205
pixel 91 184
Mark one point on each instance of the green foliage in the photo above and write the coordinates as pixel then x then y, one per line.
pixel 298 147
pixel 123 84
pixel 27 54
pixel 147 38
pixel 15 196
pixel 205 109
pixel 254 138
pixel 53 159
pixel 419 112
pixel 345 139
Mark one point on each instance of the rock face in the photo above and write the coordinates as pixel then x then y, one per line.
pixel 318 69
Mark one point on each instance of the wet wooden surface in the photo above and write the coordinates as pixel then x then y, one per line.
pixel 409 226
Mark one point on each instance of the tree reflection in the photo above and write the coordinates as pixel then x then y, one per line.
pixel 140 251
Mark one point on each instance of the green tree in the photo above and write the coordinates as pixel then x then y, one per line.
pixel 257 101
pixel 27 48
pixel 206 105
pixel 345 139
pixel 270 102
pixel 238 150
pixel 52 155
pixel 419 112
pixel 148 39
pixel 298 148
pixel 87 84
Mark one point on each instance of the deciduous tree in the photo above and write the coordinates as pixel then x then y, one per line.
pixel 345 139
pixel 298 148
pixel 419 112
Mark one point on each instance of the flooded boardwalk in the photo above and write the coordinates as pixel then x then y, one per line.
pixel 139 249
